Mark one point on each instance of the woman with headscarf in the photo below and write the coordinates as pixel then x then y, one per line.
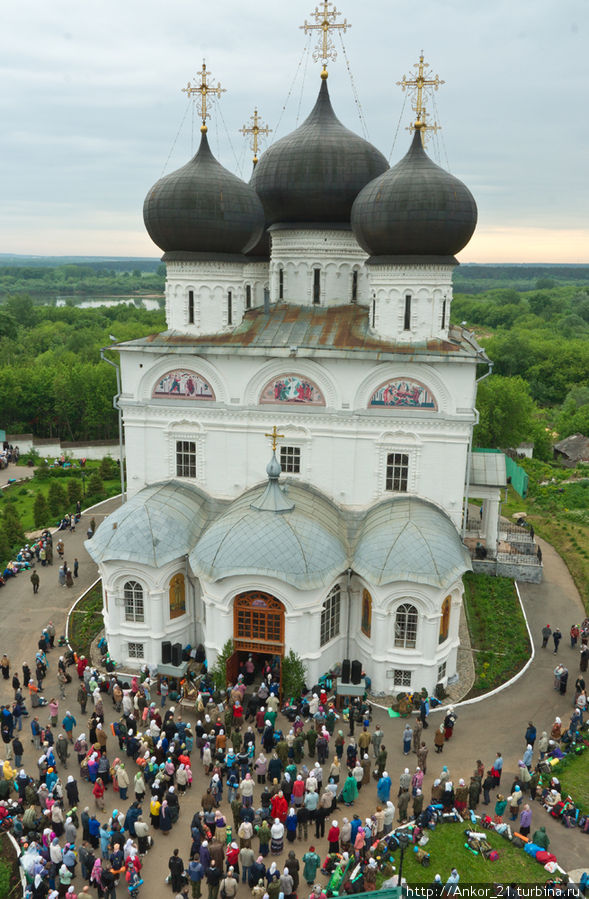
pixel 277 834
pixel 154 812
pixel 448 796
pixel 261 767
pixel 360 843
pixel 333 835
pixel 525 821
pixel 291 825
pixel 350 790
pixel 461 796
pixel 439 738
pixel 71 789
pixel 96 877
pixel 139 786
pixel 273 873
pixel 556 731
pixel 98 793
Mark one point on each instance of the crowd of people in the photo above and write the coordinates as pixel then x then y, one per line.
pixel 260 782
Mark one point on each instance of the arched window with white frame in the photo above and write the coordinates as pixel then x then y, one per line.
pixel 330 616
pixel 406 618
pixel 134 605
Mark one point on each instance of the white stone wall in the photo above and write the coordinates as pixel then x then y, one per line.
pixel 344 445
pixel 210 283
pixel 429 286
pixel 336 254
pixel 157 625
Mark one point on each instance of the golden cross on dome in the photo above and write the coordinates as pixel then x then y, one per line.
pixel 424 127
pixel 275 437
pixel 325 22
pixel 420 86
pixel 255 129
pixel 204 89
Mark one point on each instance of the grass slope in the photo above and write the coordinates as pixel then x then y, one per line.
pixel 500 651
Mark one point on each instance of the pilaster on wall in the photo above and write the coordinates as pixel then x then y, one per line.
pixel 411 302
pixel 335 254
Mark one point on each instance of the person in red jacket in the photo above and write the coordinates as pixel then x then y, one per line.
pixel 333 837
pixel 98 793
pixel 279 807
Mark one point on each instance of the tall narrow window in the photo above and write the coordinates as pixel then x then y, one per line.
pixel 248 296
pixel 133 595
pixel 373 313
pixel 280 283
pixel 406 626
pixel 185 459
pixel 355 286
pixel 316 286
pixel 190 307
pixel 397 472
pixel 330 614
pixel 407 321
pixel 443 314
pixel 229 308
pixel 290 459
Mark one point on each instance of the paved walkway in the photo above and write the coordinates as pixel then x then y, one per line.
pixel 481 730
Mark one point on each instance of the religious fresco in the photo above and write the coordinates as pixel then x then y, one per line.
pixel 183 384
pixel 292 389
pixel 177 596
pixel 403 393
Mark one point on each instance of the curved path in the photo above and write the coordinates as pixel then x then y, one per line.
pixel 482 729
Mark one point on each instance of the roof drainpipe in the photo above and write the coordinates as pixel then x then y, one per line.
pixel 469 457
pixel 349 574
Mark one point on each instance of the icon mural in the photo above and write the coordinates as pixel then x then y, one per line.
pixel 406 394
pixel 292 389
pixel 183 384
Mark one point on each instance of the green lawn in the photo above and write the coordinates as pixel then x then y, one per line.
pixel 573 773
pixel 86 622
pixel 24 493
pixel 490 602
pixel 447 851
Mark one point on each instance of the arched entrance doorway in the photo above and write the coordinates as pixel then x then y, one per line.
pixel 258 628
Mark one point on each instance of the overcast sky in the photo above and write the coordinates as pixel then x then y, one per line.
pixel 91 109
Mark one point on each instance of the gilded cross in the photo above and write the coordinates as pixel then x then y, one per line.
pixel 421 84
pixel 424 127
pixel 255 129
pixel 325 23
pixel 275 437
pixel 204 89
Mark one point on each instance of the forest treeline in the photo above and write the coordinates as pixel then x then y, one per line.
pixel 539 343
pixel 80 279
pixel 53 382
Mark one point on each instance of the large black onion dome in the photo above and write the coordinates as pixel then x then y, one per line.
pixel 414 209
pixel 315 173
pixel 203 208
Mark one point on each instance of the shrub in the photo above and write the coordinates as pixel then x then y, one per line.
pixel 74 491
pixel 293 675
pixel 219 669
pixel 108 468
pixel 41 511
pixel 57 499
pixel 95 484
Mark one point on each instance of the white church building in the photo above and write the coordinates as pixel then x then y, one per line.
pixel 313 304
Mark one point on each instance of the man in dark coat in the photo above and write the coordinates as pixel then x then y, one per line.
pixel 176 866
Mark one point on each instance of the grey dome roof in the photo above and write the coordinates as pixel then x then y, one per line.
pixel 203 208
pixel 414 209
pixel 159 524
pixel 306 546
pixel 410 539
pixel 315 173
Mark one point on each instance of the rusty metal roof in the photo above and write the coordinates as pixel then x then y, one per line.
pixel 311 331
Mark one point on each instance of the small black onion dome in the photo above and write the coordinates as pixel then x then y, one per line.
pixel 414 209
pixel 203 208
pixel 315 173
